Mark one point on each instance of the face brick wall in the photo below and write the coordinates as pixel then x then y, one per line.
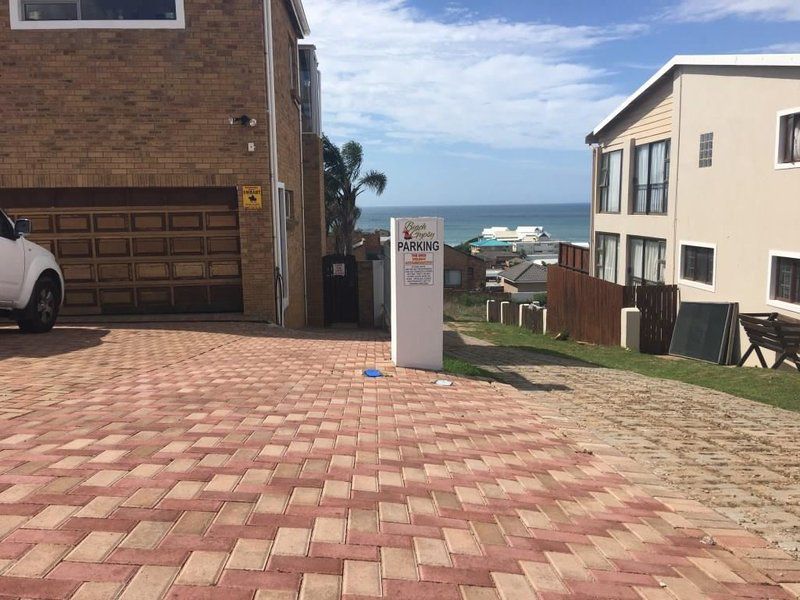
pixel 315 230
pixel 473 270
pixel 150 108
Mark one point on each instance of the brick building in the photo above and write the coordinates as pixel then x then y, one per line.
pixel 462 271
pixel 139 139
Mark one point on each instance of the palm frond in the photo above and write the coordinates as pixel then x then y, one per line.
pixel 375 181
pixel 353 155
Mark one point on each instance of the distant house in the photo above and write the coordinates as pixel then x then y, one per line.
pixel 524 277
pixel 462 271
pixel 696 180
pixel 494 252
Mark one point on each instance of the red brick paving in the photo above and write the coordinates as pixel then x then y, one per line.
pixel 237 461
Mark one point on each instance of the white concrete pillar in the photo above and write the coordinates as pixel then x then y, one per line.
pixel 544 320
pixel 630 328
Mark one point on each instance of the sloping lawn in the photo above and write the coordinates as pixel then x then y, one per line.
pixel 778 388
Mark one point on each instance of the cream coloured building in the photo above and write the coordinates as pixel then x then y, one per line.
pixel 696 182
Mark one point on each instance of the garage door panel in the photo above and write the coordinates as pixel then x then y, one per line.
pixel 225 269
pixel 189 270
pixel 154 299
pixel 114 272
pixel 117 298
pixel 70 248
pixel 222 221
pixel 41 224
pixel 183 246
pixel 80 298
pixel 186 221
pixel 150 222
pixel 191 298
pixel 227 297
pixel 73 223
pixel 111 223
pixel 81 273
pixel 152 271
pixel 150 246
pixel 145 260
pixel 112 248
pixel 223 245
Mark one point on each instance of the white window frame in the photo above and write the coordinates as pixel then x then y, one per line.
pixel 283 242
pixel 772 273
pixel 17 22
pixel 779 165
pixel 697 284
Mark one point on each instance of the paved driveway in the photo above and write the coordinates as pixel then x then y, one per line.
pixel 239 461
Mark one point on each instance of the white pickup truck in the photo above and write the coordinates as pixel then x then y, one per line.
pixel 31 283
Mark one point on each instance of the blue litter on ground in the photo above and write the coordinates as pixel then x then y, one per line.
pixel 374 373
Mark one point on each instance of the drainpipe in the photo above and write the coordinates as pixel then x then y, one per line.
pixel 273 152
pixel 303 213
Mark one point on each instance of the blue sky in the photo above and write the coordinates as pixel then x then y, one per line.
pixel 488 101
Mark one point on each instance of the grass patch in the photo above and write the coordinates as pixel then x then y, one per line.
pixel 456 366
pixel 778 388
pixel 468 306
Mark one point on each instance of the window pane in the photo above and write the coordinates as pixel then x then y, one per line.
pixel 784 287
pixel 658 176
pixel 614 181
pixel 796 139
pixel 452 278
pixel 50 11
pixel 134 10
pixel 636 258
pixel 652 259
pixel 642 164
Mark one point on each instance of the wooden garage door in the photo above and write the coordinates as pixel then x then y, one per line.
pixel 130 261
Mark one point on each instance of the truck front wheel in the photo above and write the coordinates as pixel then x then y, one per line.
pixel 42 311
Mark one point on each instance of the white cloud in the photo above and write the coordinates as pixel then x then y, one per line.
pixel 710 10
pixel 390 72
pixel 787 48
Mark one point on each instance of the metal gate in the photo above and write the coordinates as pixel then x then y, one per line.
pixel 340 275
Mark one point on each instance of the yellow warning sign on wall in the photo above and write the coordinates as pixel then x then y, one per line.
pixel 252 198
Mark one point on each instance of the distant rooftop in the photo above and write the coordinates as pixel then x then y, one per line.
pixel 490 244
pixel 525 272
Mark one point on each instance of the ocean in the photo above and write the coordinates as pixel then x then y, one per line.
pixel 564 222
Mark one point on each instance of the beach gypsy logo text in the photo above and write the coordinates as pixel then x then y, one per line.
pixel 418 238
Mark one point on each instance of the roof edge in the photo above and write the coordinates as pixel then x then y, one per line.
pixel 300 15
pixel 708 60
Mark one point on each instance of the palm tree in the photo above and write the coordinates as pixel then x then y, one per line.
pixel 344 183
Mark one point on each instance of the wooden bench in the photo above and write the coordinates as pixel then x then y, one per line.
pixel 769 331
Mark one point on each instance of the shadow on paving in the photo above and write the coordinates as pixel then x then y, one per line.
pixel 64 339
pixel 14 343
pixel 508 356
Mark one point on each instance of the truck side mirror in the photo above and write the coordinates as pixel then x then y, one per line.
pixel 22 227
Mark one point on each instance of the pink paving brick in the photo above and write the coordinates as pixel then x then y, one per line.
pixel 168 466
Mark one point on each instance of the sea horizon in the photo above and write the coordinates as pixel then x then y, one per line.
pixel 568 222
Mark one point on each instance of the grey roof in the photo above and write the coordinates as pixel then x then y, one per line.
pixel 526 272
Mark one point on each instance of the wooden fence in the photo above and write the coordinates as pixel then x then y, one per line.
pixel 589 309
pixel 586 308
pixel 533 319
pixel 574 258
pixel 658 305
